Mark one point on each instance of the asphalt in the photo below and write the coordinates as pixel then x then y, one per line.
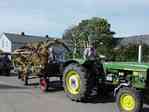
pixel 15 97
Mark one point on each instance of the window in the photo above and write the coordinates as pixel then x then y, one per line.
pixel 6 43
pixel 3 43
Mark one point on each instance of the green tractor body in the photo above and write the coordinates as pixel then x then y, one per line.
pixel 121 72
pixel 135 73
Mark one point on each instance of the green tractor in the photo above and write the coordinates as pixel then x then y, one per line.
pixel 129 82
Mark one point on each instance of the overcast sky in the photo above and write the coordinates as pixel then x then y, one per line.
pixel 52 17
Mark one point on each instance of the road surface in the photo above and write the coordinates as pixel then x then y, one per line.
pixel 15 97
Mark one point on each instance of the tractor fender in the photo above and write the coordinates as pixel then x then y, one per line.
pixel 120 86
pixel 69 62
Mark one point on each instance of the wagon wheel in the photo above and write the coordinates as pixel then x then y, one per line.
pixel 44 84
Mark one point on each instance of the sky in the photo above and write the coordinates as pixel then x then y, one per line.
pixel 53 17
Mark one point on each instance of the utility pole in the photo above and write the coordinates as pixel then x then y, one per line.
pixel 140 52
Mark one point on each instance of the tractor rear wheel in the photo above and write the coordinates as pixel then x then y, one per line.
pixel 76 82
pixel 129 100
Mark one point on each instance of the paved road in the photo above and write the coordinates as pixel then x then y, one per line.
pixel 14 97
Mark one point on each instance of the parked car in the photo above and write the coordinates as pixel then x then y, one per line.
pixel 5 64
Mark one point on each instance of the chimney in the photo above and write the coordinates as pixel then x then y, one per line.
pixel 47 36
pixel 22 33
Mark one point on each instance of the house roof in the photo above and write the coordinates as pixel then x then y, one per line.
pixel 123 41
pixel 23 39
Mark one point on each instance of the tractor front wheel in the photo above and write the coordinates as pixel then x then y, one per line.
pixel 129 100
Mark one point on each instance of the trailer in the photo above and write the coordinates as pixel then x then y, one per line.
pixel 32 60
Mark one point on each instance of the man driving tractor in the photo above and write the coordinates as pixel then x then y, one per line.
pixel 90 52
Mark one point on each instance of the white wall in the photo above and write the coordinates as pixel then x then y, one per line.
pixel 5 44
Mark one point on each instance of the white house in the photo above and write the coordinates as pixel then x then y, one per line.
pixel 12 41
pixel 5 44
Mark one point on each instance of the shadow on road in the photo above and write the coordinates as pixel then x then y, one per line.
pixel 13 74
pixel 55 86
pixel 8 75
pixel 3 86
pixel 100 99
pixel 145 109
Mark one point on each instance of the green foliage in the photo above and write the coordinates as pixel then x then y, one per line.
pixel 130 53
pixel 98 31
pixel 68 55
pixel 127 53
pixel 95 30
pixel 145 53
pixel 1 51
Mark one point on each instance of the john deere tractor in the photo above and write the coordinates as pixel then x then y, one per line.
pixel 129 82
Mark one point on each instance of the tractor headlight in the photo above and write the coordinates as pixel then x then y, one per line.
pixel 121 73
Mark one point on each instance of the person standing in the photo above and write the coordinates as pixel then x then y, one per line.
pixel 90 52
pixel 51 54
pixel 91 56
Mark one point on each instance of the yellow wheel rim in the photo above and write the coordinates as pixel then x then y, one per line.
pixel 127 102
pixel 72 80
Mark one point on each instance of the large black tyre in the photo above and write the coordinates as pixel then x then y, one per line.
pixel 77 82
pixel 129 100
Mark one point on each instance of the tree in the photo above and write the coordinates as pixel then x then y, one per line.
pixel 96 30
pixel 130 53
pixel 145 53
pixel 127 53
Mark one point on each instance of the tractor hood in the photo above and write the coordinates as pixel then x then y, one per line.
pixel 126 66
